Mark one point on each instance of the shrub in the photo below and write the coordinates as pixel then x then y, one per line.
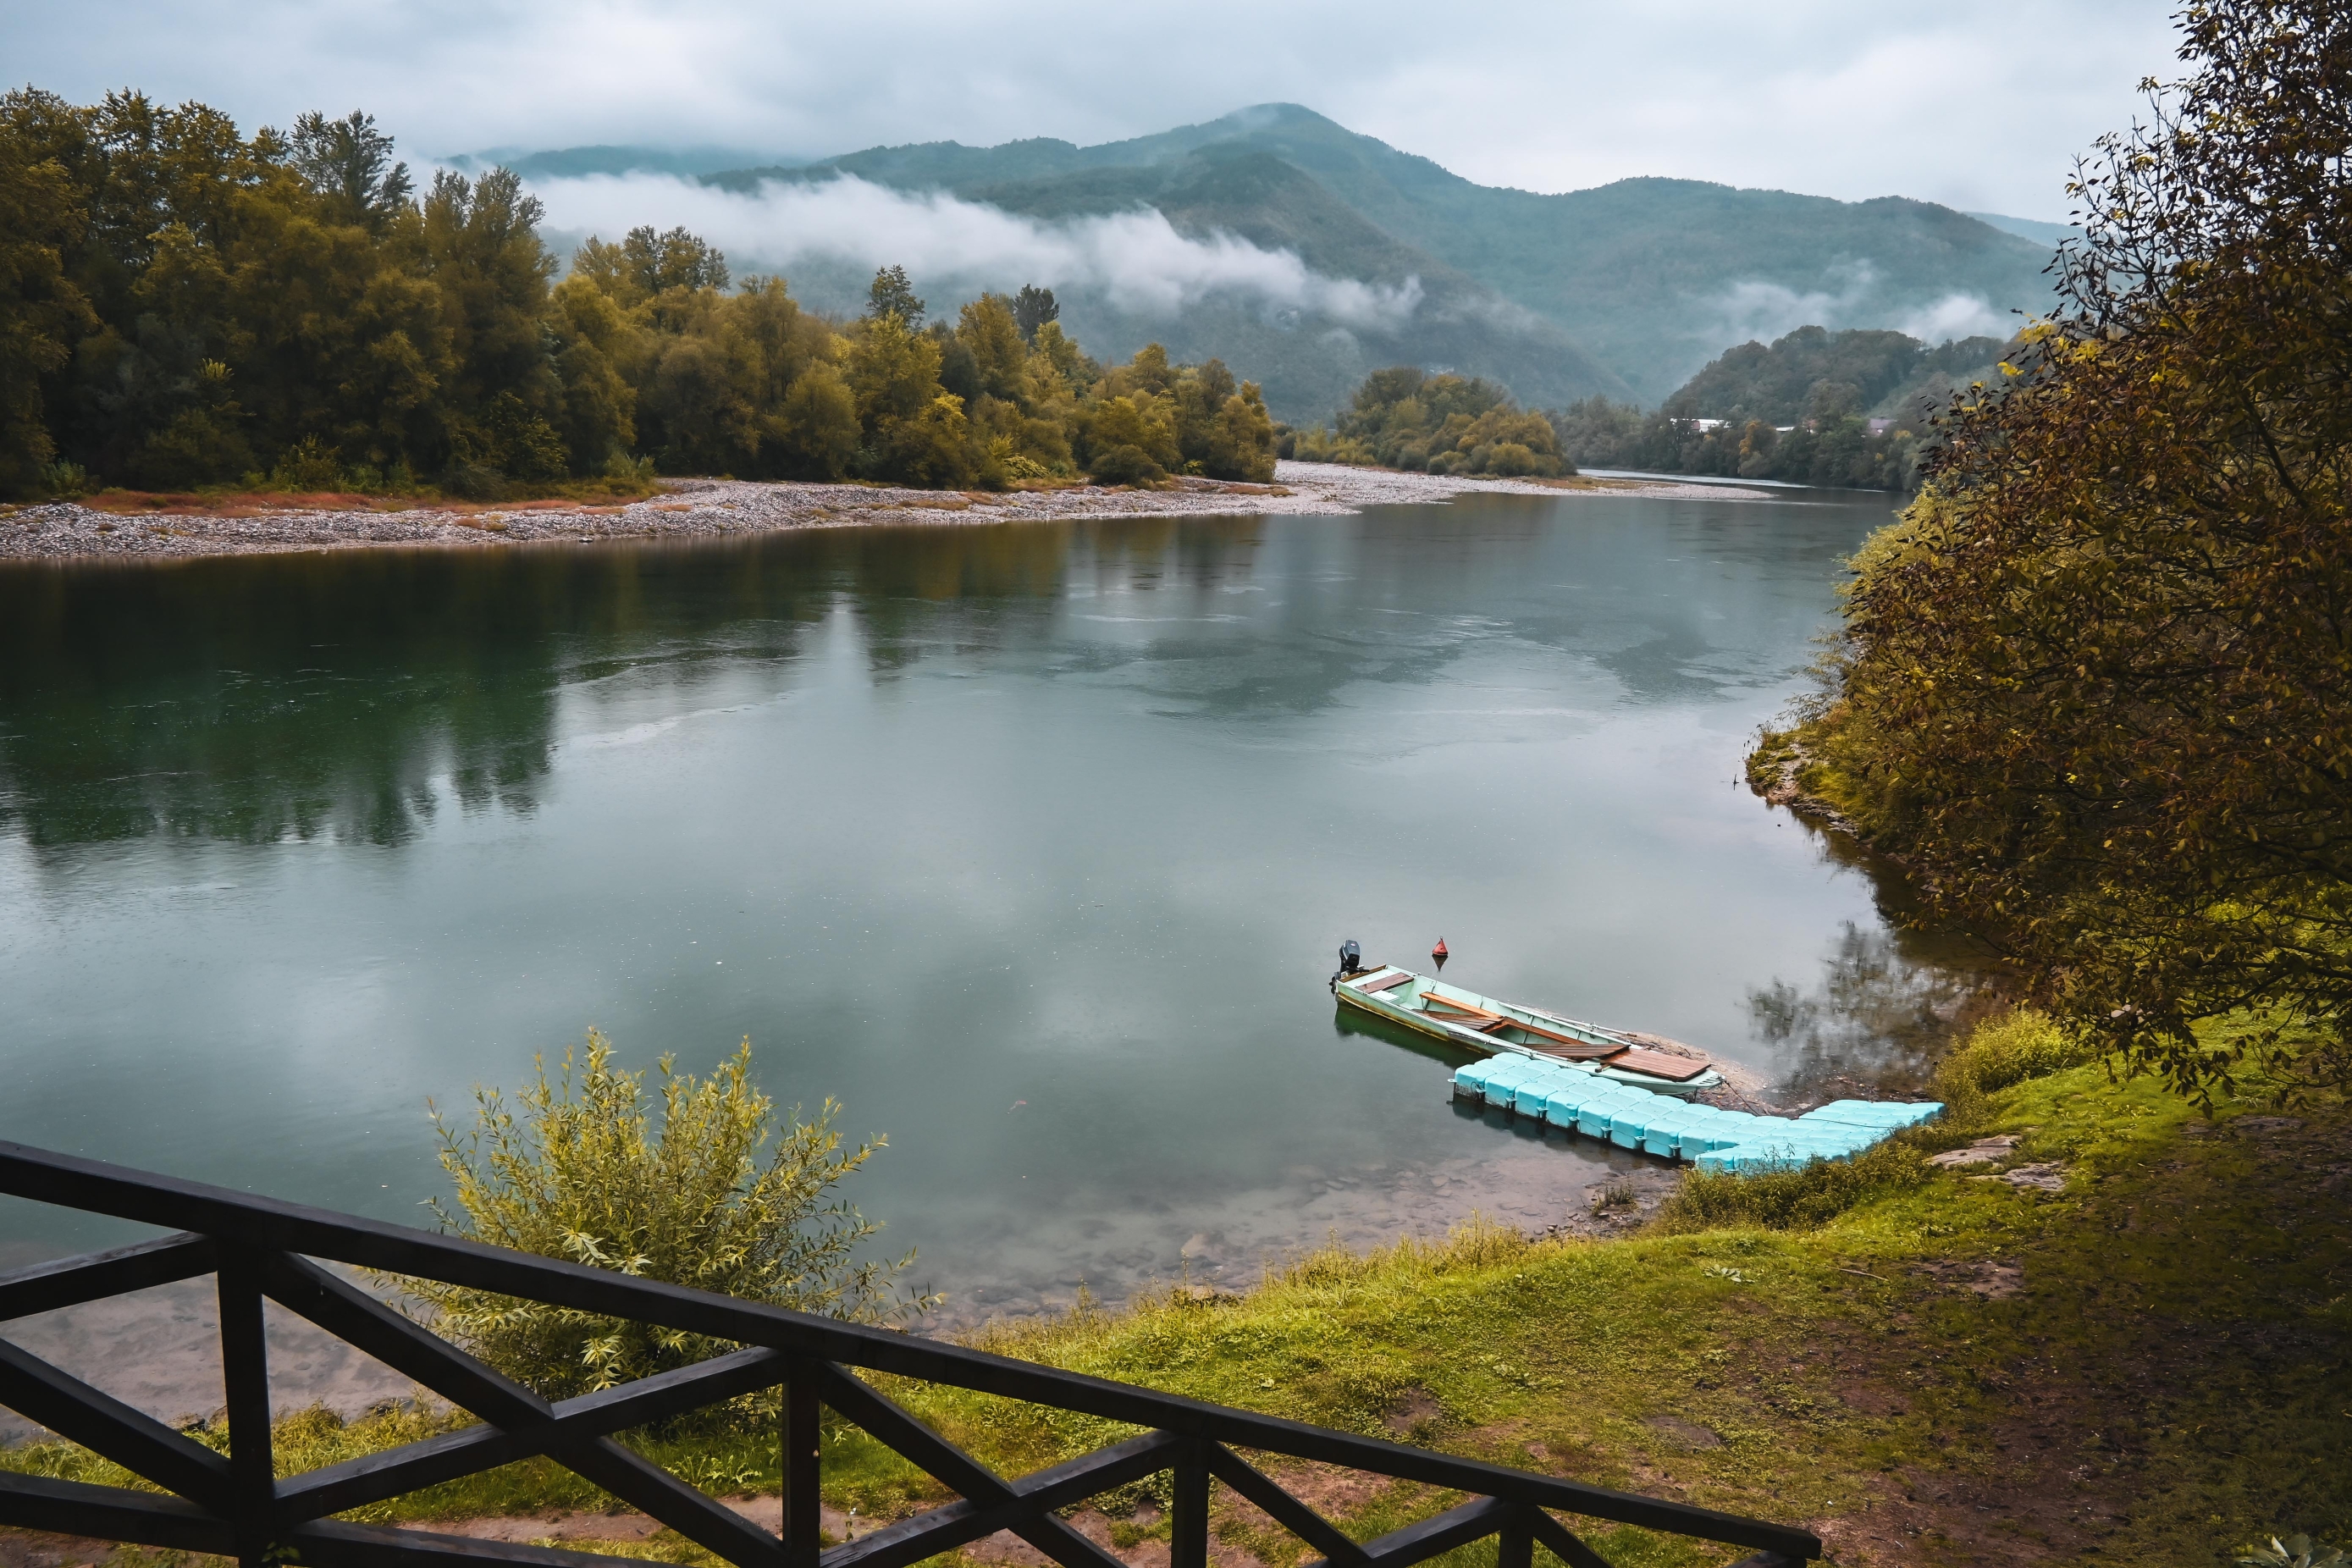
pixel 1799 1199
pixel 309 465
pixel 571 1173
pixel 2006 1051
pixel 1124 465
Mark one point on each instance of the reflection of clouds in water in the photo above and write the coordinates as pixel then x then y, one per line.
pixel 1877 1013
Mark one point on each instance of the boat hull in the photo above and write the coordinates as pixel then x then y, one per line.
pixel 1393 1003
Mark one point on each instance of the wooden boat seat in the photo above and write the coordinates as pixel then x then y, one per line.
pixel 1660 1064
pixel 1575 1050
pixel 1391 983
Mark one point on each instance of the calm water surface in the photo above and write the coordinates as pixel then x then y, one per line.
pixel 1030 844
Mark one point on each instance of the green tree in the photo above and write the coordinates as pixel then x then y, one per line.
pixel 41 311
pixel 890 294
pixel 915 430
pixel 821 432
pixel 720 1197
pixel 349 162
pixel 989 331
pixel 1032 308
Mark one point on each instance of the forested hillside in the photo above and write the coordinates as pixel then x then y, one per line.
pixel 184 306
pixel 1857 409
pixel 1649 278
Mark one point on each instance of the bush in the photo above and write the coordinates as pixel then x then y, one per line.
pixel 1124 465
pixel 310 465
pixel 1793 1200
pixel 570 1172
pixel 2008 1050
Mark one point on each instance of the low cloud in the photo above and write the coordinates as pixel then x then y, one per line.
pixel 1958 316
pixel 1768 310
pixel 1136 260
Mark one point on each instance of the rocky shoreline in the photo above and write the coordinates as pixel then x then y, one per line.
pixel 687 508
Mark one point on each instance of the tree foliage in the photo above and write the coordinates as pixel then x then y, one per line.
pixel 718 1199
pixel 892 295
pixel 2096 685
pixel 181 306
pixel 1033 306
pixel 1403 418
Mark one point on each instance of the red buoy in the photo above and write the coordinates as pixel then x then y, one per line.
pixel 1438 953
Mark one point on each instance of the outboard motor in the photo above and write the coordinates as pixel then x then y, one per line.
pixel 1351 958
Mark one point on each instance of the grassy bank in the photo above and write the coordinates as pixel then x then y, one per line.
pixel 2146 1364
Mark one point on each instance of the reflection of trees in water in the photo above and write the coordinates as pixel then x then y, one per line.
pixel 343 695
pixel 1878 1014
pixel 347 695
pixel 318 696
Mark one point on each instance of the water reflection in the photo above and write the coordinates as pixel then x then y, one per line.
pixel 1877 1017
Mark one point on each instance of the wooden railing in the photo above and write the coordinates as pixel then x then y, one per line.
pixel 236 1505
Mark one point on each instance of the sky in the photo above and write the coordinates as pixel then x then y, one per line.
pixel 1982 107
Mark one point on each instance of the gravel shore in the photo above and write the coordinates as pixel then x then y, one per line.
pixel 700 508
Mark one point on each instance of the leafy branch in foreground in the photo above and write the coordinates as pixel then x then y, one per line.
pixel 574 1171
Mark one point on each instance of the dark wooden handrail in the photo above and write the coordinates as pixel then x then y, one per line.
pixel 258 1247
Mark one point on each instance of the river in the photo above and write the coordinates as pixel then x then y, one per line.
pixel 1030 844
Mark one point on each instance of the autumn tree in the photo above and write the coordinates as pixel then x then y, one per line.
pixel 2097 684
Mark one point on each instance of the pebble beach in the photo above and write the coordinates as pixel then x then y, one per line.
pixel 687 508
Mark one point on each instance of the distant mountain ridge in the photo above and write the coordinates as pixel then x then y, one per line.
pixel 1625 289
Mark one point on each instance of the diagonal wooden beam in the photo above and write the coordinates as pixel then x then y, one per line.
pixel 886 1419
pixel 1257 1487
pixel 104 1425
pixel 110 1513
pixel 352 1315
pixel 374 1478
pixel 70 1281
pixel 1440 1533
pixel 1563 1542
pixel 939 1529
pixel 113 1513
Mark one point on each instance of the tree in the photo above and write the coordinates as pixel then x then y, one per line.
pixel 890 294
pixel 349 161
pixel 1032 308
pixel 41 311
pixel 820 424
pixel 2097 685
pixel 576 1172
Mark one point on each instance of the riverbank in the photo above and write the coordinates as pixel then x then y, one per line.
pixel 690 509
pixel 2080 1322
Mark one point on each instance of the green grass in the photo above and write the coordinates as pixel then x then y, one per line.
pixel 2166 1381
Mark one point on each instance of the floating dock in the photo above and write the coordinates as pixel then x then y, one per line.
pixel 1573 1095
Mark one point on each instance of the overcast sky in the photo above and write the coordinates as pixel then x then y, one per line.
pixel 1983 106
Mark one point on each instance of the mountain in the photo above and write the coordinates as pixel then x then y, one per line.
pixel 1626 290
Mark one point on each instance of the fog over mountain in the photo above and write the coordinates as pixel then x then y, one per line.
pixel 1304 253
